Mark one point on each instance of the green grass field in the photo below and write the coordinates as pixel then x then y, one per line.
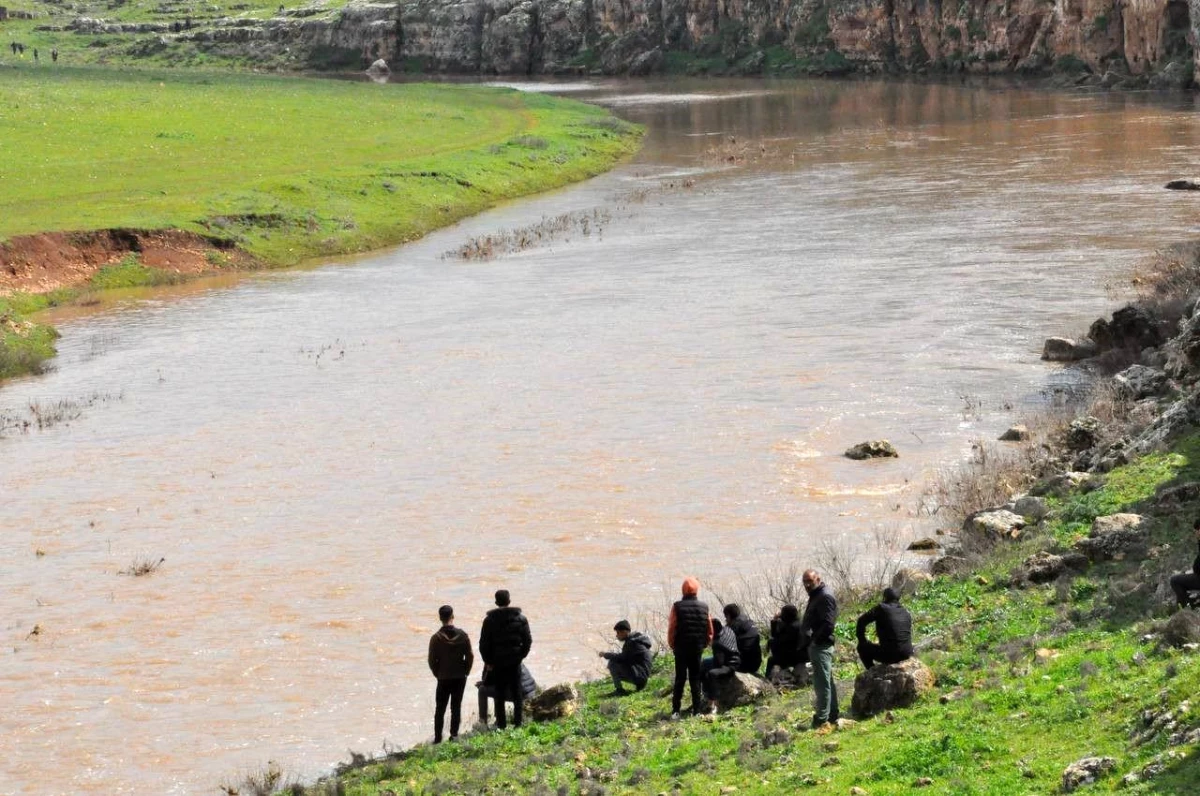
pixel 1011 723
pixel 288 168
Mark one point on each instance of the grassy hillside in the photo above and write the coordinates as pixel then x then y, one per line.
pixel 1031 678
pixel 286 168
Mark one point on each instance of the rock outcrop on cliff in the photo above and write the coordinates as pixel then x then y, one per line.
pixel 1110 43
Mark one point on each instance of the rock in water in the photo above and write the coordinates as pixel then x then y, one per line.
pixel 740 689
pixel 556 702
pixel 893 685
pixel 1182 185
pixel 380 67
pixel 1015 434
pixel 1064 349
pixel 875 449
pixel 1085 772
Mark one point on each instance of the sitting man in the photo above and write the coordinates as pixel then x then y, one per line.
pixel 632 663
pixel 723 663
pixel 1188 581
pixel 487 690
pixel 893 626
pixel 748 642
pixel 787 646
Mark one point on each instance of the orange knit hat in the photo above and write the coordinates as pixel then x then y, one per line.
pixel 691 587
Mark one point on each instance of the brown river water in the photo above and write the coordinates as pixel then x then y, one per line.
pixel 323 456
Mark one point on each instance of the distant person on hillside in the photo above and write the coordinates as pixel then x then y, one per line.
pixel 893 628
pixel 35 54
pixel 1188 581
pixel 689 632
pixel 749 642
pixel 488 691
pixel 504 642
pixel 54 55
pixel 819 622
pixel 723 663
pixel 787 648
pixel 632 663
pixel 13 47
pixel 450 660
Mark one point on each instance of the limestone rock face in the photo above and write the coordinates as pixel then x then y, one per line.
pixel 1113 536
pixel 893 685
pixel 1139 381
pixel 994 523
pixel 556 702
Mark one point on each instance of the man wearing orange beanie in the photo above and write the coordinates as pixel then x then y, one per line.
pixel 689 632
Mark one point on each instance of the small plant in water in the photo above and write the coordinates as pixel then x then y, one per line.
pixel 142 565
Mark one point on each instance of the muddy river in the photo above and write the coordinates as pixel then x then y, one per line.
pixel 660 383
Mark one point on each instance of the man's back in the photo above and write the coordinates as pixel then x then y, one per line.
pixel 505 639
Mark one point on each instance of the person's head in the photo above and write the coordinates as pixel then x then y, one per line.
pixel 811 580
pixel 502 598
pixel 789 613
pixel 890 595
pixel 732 612
pixel 716 627
pixel 446 614
pixel 691 587
pixel 622 629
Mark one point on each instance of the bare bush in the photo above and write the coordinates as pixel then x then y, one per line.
pixel 989 478
pixel 549 229
pixel 142 565
pixel 268 782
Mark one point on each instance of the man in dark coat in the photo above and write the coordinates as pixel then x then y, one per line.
pixel 450 660
pixel 1188 581
pixel 893 628
pixel 503 643
pixel 749 643
pixel 787 645
pixel 820 619
pixel 632 663
pixel 486 692
pixel 723 663
pixel 689 632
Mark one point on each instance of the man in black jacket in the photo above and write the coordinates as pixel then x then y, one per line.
pixel 632 663
pixel 504 642
pixel 722 664
pixel 749 643
pixel 1188 581
pixel 450 660
pixel 893 627
pixel 820 619
pixel 787 645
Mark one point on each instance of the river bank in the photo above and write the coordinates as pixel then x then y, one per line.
pixel 1055 641
pixel 177 175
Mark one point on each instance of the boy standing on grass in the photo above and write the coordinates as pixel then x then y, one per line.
pixel 504 642
pixel 820 619
pixel 689 632
pixel 450 660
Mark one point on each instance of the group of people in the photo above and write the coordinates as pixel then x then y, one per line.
pixel 19 49
pixel 795 642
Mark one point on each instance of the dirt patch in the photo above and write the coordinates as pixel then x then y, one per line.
pixel 51 260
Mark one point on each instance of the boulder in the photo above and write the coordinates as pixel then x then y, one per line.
pixel 379 67
pixel 648 63
pixel 1139 381
pixel 948 565
pixel 1015 434
pixel 1182 628
pixel 924 545
pixel 740 689
pixel 1064 349
pixel 1113 536
pixel 1171 498
pixel 556 702
pixel 1182 185
pixel 1083 433
pixel 1134 328
pixel 907 580
pixel 1060 485
pixel 1031 507
pixel 994 524
pixel 893 685
pixel 1043 567
pixel 875 449
pixel 1085 772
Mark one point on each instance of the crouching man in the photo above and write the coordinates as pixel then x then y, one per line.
pixel 632 663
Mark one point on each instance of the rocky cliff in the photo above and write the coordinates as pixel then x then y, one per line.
pixel 1112 42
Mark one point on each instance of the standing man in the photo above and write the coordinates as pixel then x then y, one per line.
pixel 749 643
pixel 1188 581
pixel 632 663
pixel 689 632
pixel 450 660
pixel 504 642
pixel 820 619
pixel 893 628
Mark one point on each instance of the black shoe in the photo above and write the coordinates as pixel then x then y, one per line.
pixel 638 687
pixel 617 692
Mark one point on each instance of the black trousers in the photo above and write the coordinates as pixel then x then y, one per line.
pixel 1182 584
pixel 507 682
pixel 449 692
pixel 872 653
pixel 687 669
pixel 713 675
